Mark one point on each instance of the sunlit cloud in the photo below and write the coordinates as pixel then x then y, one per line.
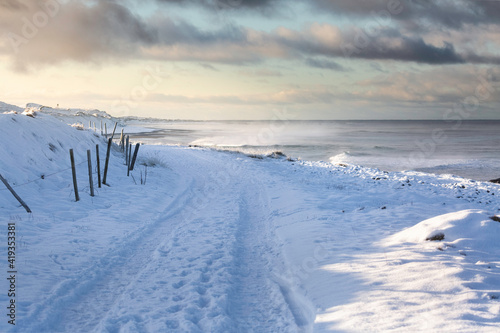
pixel 405 41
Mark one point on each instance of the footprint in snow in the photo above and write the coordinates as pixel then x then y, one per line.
pixel 203 302
pixel 204 278
pixel 179 284
pixel 174 308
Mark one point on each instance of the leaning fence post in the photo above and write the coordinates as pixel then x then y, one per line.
pixel 129 153
pixel 121 141
pixel 129 158
pixel 73 170
pixel 91 181
pixel 4 181
pixel 135 156
pixel 126 149
pixel 105 129
pixel 98 166
pixel 114 129
pixel 107 162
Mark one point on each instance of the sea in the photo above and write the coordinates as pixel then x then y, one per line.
pixel 470 149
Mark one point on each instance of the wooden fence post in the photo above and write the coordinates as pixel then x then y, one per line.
pixel 105 129
pixel 129 158
pixel 4 181
pixel 107 162
pixel 129 153
pixel 73 169
pixel 98 166
pixel 135 156
pixel 127 139
pixel 121 141
pixel 91 181
pixel 114 129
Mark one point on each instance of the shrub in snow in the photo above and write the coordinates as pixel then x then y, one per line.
pixel 152 160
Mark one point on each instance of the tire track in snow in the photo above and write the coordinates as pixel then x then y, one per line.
pixel 260 299
pixel 191 279
pixel 215 267
pixel 188 273
pixel 78 304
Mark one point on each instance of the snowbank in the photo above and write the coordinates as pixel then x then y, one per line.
pixel 70 112
pixel 34 147
pixel 472 229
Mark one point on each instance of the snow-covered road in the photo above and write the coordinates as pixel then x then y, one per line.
pixel 210 254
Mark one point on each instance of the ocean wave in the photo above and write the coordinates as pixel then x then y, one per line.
pixel 342 158
pixel 384 148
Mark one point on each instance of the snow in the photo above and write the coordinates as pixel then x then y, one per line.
pixel 223 242
pixel 5 108
pixel 471 228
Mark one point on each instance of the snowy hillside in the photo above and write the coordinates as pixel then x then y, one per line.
pixel 4 107
pixel 33 147
pixel 197 240
pixel 81 116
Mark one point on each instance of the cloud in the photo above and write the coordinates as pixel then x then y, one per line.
pixel 324 64
pixel 49 32
pixel 452 14
pixel 225 4
pixel 209 67
pixel 38 33
pixel 387 44
pixel 283 97
pixel 12 5
pixel 260 73
pixel 443 86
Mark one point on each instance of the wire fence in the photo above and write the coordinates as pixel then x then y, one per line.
pixel 130 161
pixel 46 176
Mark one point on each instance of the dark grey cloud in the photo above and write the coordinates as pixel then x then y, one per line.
pixel 324 64
pixel 413 49
pixel 418 13
pixel 225 4
pixel 388 44
pixel 177 31
pixel 209 67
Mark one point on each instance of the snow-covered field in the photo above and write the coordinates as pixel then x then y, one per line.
pixel 222 242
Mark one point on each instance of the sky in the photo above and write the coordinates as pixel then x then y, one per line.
pixel 255 59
